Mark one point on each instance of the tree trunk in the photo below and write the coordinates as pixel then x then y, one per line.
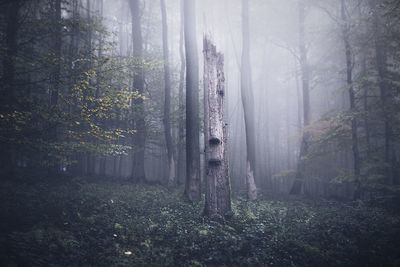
pixel 89 37
pixel 266 130
pixel 381 65
pixel 298 95
pixel 56 75
pixel 103 166
pixel 364 86
pixel 7 98
pixel 139 138
pixel 299 178
pixel 218 195
pixel 349 81
pixel 12 10
pixel 167 97
pixel 287 123
pixel 248 104
pixel 181 126
pixel 192 188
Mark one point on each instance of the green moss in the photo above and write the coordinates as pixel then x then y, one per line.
pixel 108 224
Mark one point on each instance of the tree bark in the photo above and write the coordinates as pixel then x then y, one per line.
pixel 139 138
pixel 167 97
pixel 12 10
pixel 248 104
pixel 89 21
pixel 181 126
pixel 192 188
pixel 365 90
pixel 298 95
pixel 8 94
pixel 56 76
pixel 299 177
pixel 218 195
pixel 265 96
pixel 287 124
pixel 349 81
pixel 381 66
pixel 364 86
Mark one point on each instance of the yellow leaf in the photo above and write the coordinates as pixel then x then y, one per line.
pixel 203 232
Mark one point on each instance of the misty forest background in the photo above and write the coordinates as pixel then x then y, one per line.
pixel 105 133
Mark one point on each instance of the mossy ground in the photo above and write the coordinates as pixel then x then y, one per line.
pixel 77 222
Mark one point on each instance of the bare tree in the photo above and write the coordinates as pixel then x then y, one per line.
pixel 349 80
pixel 218 195
pixel 167 97
pixel 181 126
pixel 56 75
pixel 192 188
pixel 382 69
pixel 248 103
pixel 8 78
pixel 139 139
pixel 299 178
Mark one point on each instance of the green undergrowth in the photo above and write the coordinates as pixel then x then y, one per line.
pixel 76 222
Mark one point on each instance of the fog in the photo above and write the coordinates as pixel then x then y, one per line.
pixel 276 75
pixel 318 73
pixel 199 132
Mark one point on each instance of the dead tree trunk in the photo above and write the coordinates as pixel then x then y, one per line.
pixel 218 194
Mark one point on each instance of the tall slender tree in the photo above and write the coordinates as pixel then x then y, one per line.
pixel 382 69
pixel 181 123
pixel 90 159
pixel 248 103
pixel 9 59
pixel 167 97
pixel 138 123
pixel 56 75
pixel 7 90
pixel 299 177
pixel 192 188
pixel 350 87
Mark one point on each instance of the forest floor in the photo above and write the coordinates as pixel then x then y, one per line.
pixel 80 222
